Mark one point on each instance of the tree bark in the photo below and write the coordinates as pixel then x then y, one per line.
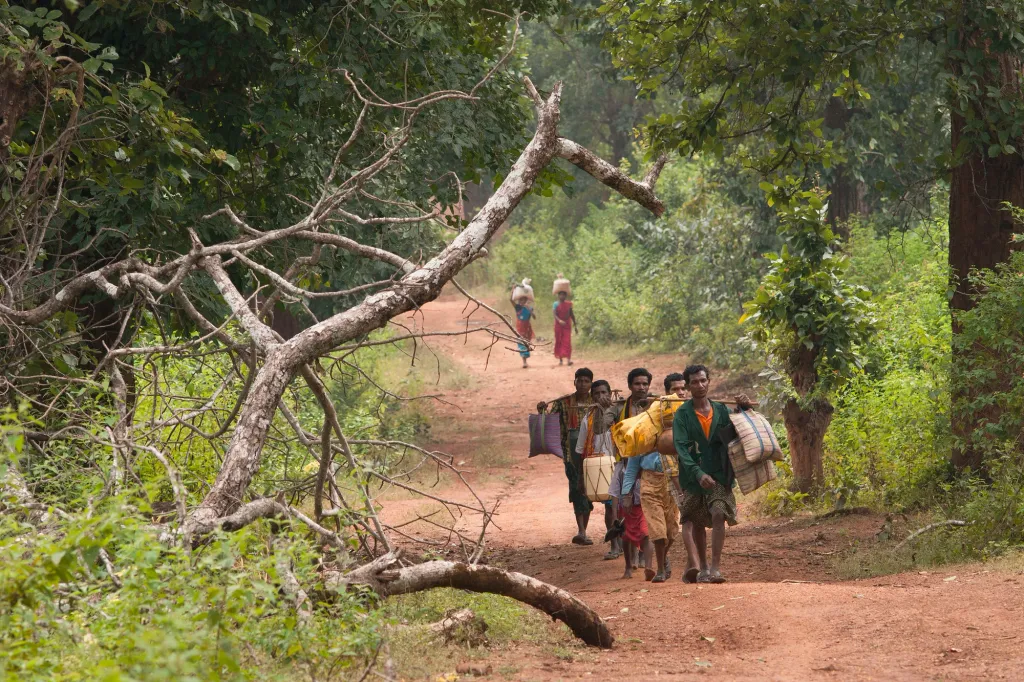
pixel 847 194
pixel 385 577
pixel 806 431
pixel 980 229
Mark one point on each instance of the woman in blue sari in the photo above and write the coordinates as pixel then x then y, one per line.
pixel 523 326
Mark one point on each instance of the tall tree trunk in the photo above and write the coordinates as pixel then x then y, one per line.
pixel 980 229
pixel 806 429
pixel 847 194
pixel 806 423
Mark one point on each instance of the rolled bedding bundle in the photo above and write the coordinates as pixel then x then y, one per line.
pixel 756 437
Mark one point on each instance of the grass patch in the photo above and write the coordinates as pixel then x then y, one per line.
pixel 940 547
pixel 433 370
pixel 417 652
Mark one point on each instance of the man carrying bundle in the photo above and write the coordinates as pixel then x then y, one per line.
pixel 570 410
pixel 595 440
pixel 705 474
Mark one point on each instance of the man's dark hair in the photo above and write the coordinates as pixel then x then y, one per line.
pixel 694 369
pixel 584 372
pixel 597 384
pixel 671 379
pixel 638 372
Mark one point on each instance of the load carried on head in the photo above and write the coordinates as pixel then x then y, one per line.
pixel 561 285
pixel 524 290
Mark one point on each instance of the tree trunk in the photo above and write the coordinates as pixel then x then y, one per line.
pixel 847 194
pixel 805 429
pixel 980 229
pixel 386 577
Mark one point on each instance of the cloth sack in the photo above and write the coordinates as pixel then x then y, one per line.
pixel 521 290
pixel 545 435
pixel 666 407
pixel 756 436
pixel 637 435
pixel 749 475
pixel 561 284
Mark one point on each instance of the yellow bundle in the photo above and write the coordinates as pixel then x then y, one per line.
pixel 639 435
pixel 666 407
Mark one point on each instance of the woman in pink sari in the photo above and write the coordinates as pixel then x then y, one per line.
pixel 562 309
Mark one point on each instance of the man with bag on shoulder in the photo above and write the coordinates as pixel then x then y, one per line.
pixel 705 474
pixel 571 410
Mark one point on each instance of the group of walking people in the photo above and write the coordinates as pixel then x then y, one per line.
pixel 654 498
pixel 565 324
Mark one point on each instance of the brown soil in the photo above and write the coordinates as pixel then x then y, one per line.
pixel 783 615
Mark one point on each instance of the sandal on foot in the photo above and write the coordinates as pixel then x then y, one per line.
pixel 717 578
pixel 690 575
pixel 660 578
pixel 703 577
pixel 577 539
pixel 612 554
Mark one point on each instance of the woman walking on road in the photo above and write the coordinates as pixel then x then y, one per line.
pixel 562 309
pixel 523 325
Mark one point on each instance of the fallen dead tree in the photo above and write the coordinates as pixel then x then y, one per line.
pixel 213 301
pixel 386 576
pixel 954 523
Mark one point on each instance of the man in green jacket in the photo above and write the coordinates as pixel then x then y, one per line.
pixel 705 475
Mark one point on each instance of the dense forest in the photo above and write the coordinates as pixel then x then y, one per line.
pixel 213 216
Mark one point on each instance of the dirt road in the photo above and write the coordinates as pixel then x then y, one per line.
pixel 782 615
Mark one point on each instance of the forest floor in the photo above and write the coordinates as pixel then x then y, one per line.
pixel 783 615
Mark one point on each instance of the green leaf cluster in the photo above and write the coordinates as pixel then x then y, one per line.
pixel 806 315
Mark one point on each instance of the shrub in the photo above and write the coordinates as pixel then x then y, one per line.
pixel 889 440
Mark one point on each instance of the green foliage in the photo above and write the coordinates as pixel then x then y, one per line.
pixel 812 87
pixel 991 508
pixel 218 615
pixel 750 68
pixel 889 441
pixel 989 361
pixel 805 315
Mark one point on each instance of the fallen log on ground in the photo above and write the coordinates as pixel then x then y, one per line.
pixel 929 527
pixel 843 511
pixel 387 577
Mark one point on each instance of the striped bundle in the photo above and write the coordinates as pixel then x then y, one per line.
pixel 749 475
pixel 752 452
pixel 756 436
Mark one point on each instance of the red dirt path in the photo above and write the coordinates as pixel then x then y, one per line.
pixel 919 626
